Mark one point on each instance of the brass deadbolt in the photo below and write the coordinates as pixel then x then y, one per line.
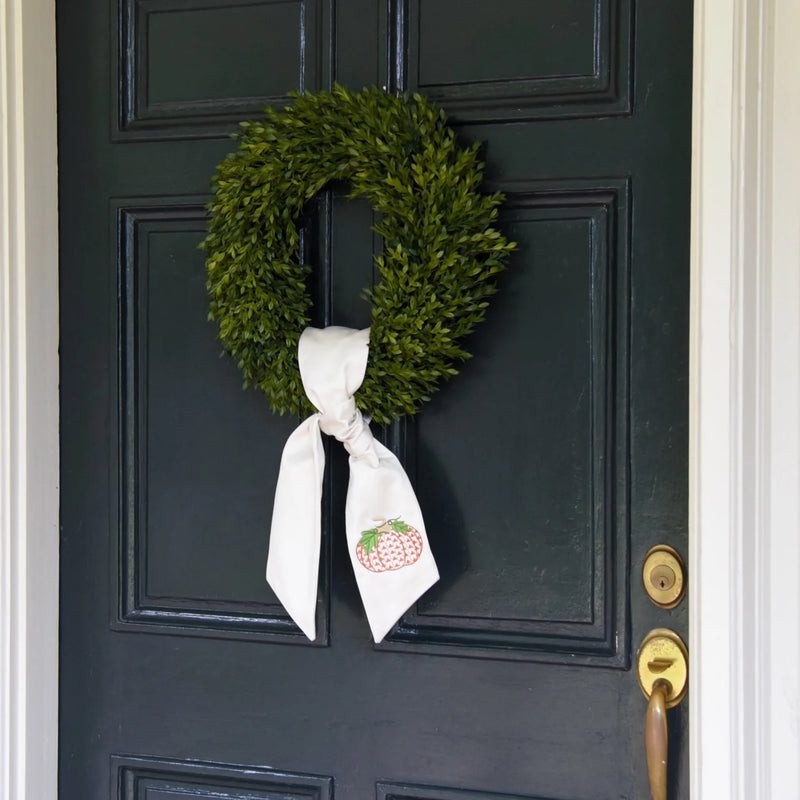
pixel 664 576
pixel 663 657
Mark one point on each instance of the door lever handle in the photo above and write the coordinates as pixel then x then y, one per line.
pixel 663 671
pixel 655 739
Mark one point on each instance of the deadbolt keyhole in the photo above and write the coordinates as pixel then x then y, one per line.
pixel 663 577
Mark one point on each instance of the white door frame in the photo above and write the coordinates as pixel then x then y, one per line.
pixel 745 401
pixel 28 402
pixel 744 394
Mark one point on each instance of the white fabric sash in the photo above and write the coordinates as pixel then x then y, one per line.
pixel 386 536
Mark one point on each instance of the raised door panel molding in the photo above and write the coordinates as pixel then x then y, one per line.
pixel 533 555
pixel 399 791
pixel 576 61
pixel 195 485
pixel 141 778
pixel 181 78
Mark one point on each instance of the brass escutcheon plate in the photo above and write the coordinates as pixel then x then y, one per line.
pixel 664 576
pixel 663 655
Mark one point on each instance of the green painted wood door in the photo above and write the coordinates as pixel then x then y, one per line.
pixel 545 471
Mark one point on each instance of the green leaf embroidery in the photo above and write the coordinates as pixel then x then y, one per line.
pixel 399 526
pixel 369 539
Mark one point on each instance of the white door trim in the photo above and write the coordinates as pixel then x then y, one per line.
pixel 745 401
pixel 28 402
pixel 745 396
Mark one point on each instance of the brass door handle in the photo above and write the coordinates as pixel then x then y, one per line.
pixel 655 739
pixel 663 671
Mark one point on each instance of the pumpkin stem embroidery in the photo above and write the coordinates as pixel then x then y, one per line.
pixel 392 545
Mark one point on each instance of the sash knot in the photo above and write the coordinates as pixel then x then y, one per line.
pixel 352 429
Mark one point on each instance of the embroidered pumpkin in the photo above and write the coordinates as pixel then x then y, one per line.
pixel 389 546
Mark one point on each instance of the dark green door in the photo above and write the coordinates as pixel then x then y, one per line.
pixel 545 471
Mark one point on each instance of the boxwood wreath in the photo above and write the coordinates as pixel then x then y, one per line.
pixel 437 269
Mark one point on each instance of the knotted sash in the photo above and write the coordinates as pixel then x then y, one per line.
pixel 386 536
